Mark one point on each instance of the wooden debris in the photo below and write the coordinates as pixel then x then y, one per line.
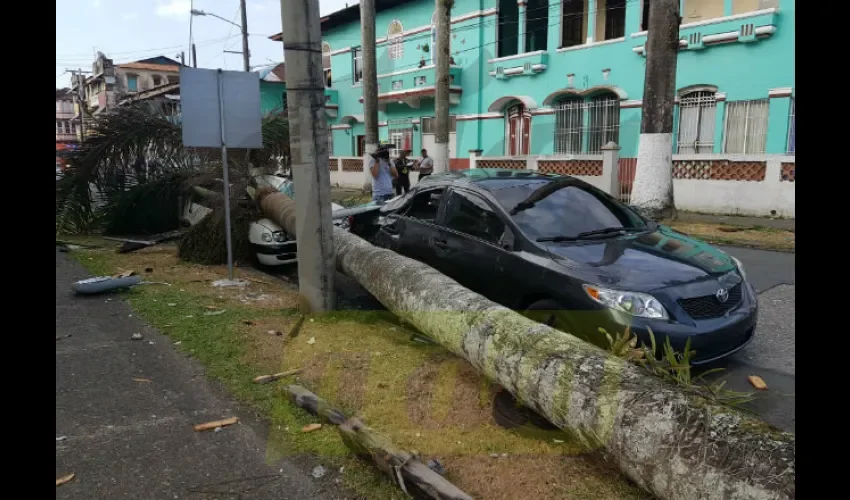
pixel 757 382
pixel 65 479
pixel 296 328
pixel 311 427
pixel 142 380
pixel 216 423
pixel 265 379
pixel 405 468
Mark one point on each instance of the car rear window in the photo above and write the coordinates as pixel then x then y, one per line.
pixel 567 211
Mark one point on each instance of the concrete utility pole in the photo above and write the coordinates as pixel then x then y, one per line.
pixel 370 84
pixel 441 94
pixel 246 55
pixel 305 88
pixel 652 191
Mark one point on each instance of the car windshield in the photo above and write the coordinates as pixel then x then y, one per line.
pixel 551 210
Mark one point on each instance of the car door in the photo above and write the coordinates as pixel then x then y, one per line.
pixel 475 247
pixel 410 230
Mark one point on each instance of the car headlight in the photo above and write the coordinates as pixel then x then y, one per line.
pixel 279 236
pixel 267 237
pixel 740 267
pixel 637 304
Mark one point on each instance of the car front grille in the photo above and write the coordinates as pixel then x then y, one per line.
pixel 708 306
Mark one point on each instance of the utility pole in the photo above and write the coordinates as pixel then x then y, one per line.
pixel 652 191
pixel 194 57
pixel 370 84
pixel 441 94
pixel 302 43
pixel 246 55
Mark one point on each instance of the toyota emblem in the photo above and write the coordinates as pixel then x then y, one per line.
pixel 722 295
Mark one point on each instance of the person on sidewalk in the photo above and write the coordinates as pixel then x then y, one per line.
pixel 383 174
pixel 425 166
pixel 402 166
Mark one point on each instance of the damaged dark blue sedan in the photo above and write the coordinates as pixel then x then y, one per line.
pixel 568 254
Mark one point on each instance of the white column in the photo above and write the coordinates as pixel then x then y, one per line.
pixel 611 168
pixel 474 154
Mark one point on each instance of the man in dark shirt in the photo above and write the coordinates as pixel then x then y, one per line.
pixel 402 166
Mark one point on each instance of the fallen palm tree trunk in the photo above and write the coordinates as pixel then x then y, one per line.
pixel 675 444
pixel 405 469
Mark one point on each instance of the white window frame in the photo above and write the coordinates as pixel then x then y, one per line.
pixel 326 63
pixel 705 101
pixel 750 123
pixel 356 55
pixel 791 143
pixel 566 111
pixel 395 37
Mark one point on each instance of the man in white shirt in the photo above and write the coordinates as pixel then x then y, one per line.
pixel 425 166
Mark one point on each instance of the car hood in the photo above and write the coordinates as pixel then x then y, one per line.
pixel 642 262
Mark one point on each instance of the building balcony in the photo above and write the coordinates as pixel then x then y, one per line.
pixel 525 64
pixel 748 27
pixel 411 86
pixel 331 103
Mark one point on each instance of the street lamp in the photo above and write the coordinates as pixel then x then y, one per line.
pixel 246 56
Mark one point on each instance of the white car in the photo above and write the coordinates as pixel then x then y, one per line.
pixel 273 246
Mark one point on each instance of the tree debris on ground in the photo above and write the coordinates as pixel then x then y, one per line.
pixel 265 379
pixel 65 479
pixel 404 468
pixel 757 382
pixel 216 423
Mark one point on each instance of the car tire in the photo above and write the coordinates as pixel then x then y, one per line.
pixel 510 414
pixel 545 311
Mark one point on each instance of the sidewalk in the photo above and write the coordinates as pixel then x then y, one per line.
pixel 735 220
pixel 127 407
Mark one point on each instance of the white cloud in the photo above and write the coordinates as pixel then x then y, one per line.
pixel 129 16
pixel 173 8
pixel 96 3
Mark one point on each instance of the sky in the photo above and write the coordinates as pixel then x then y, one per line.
pixel 128 31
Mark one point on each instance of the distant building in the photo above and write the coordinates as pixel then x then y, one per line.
pixel 273 89
pixel 66 127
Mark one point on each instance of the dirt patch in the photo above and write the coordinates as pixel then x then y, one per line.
pixel 561 477
pixel 765 238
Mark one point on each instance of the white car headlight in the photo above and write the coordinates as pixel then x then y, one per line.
pixel 267 237
pixel 637 304
pixel 740 267
pixel 279 236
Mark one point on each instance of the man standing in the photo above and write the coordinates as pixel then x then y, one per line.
pixel 402 166
pixel 425 165
pixel 382 175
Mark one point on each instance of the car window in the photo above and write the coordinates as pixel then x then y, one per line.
pixel 565 211
pixel 424 205
pixel 470 214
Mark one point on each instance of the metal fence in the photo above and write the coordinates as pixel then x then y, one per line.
pixel 697 113
pixel 583 127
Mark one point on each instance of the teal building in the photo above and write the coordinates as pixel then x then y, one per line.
pixel 564 77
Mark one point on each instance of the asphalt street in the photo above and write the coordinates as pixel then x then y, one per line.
pixel 125 411
pixel 771 353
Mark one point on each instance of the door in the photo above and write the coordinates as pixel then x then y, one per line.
pixel 410 230
pixel 361 145
pixel 476 248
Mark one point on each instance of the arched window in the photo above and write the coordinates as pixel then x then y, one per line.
pixel 569 124
pixel 603 122
pixel 326 62
pixel 394 36
pixel 697 112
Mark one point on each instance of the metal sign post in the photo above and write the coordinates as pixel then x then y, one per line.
pixel 221 109
pixel 227 236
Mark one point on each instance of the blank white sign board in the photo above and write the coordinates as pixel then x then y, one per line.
pixel 201 113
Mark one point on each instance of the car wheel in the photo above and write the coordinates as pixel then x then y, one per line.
pixel 549 312
pixel 510 414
